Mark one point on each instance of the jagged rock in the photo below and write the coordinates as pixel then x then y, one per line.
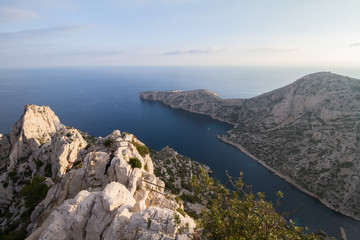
pixel 5 147
pixel 35 127
pixel 94 193
pixel 64 150
pixel 132 180
pixel 108 214
pixel 115 195
pixel 122 170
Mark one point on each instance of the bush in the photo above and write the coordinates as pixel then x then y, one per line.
pixel 189 198
pixel 34 192
pixel 108 142
pixel 135 163
pixel 181 211
pixel 142 149
pixel 13 175
pixel 172 187
pixel 240 214
pixel 38 163
pixel 48 170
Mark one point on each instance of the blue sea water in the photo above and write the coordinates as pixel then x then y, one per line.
pixel 100 100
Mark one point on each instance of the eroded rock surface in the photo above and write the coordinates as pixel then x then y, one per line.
pixel 93 191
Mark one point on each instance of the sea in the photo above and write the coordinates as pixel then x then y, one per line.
pixel 99 100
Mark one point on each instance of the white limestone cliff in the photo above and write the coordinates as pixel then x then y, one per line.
pixel 94 193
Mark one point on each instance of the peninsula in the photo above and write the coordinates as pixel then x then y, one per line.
pixel 307 132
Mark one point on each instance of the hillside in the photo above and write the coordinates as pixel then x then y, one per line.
pixel 306 132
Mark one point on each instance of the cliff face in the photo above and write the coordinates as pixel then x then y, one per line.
pixel 307 132
pixel 93 188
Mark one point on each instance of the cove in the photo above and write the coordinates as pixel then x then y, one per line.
pixel 195 136
pixel 100 100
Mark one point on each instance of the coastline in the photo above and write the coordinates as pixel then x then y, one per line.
pixel 242 149
pixel 285 178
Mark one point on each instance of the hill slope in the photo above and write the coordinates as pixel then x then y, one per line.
pixel 307 132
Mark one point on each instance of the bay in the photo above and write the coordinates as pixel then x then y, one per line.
pixel 102 99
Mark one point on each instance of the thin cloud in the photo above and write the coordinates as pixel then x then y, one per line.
pixel 357 44
pixel 39 33
pixel 154 2
pixel 90 52
pixel 195 51
pixel 63 4
pixel 9 14
pixel 276 48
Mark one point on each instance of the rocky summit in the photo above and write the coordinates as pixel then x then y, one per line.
pixel 307 132
pixel 60 183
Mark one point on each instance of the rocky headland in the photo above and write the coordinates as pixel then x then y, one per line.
pixel 307 132
pixel 60 183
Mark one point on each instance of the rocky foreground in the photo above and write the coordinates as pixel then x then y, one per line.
pixel 60 183
pixel 307 132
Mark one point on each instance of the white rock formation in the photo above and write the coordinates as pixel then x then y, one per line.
pixel 94 192
pixel 35 127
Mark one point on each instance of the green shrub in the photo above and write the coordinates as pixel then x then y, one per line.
pixel 142 149
pixel 240 214
pixel 13 176
pixel 34 192
pixel 68 134
pixel 38 163
pixel 181 211
pixel 48 170
pixel 135 163
pixel 108 142
pixel 189 198
pixel 172 187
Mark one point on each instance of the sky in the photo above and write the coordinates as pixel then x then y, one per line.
pixel 45 33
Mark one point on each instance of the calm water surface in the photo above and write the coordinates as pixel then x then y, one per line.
pixel 100 100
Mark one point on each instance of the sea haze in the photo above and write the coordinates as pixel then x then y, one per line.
pixel 100 100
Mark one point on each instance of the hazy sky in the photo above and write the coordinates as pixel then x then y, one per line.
pixel 180 32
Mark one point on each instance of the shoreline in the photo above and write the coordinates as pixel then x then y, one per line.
pixel 285 178
pixel 242 149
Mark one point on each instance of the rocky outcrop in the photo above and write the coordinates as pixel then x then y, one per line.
pixel 177 171
pixel 94 191
pixel 35 127
pixel 307 132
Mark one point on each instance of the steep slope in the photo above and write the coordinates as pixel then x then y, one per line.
pixel 306 132
pixel 60 183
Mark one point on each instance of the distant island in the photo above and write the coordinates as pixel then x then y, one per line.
pixel 307 132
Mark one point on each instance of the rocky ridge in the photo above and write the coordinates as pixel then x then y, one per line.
pixel 93 188
pixel 177 171
pixel 307 133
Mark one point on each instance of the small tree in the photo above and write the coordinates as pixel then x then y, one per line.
pixel 135 163
pixel 240 214
pixel 34 192
pixel 108 142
